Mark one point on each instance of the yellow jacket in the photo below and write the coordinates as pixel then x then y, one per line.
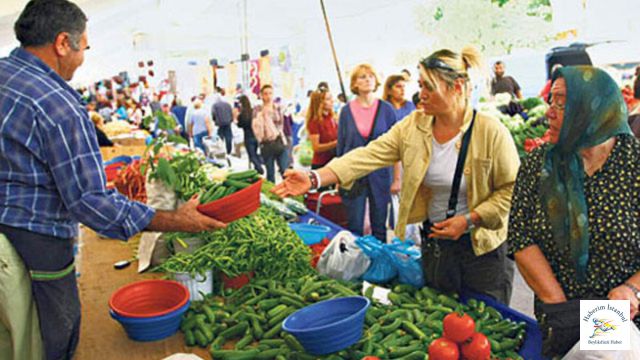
pixel 490 172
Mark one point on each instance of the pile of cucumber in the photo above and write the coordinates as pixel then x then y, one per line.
pixel 234 182
pixel 248 323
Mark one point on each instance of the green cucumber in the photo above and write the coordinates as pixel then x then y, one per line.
pixel 242 175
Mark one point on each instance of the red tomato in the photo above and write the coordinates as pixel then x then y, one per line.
pixel 477 348
pixel 458 328
pixel 370 358
pixel 443 349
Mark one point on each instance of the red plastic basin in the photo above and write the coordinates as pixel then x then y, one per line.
pixel 149 298
pixel 235 206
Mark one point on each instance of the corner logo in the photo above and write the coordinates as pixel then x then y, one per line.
pixel 602 326
pixel 605 325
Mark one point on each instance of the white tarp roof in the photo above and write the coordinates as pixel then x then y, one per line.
pixel 176 33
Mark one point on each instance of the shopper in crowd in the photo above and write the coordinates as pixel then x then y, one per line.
pixel 342 101
pixel 546 90
pixel 465 247
pixel 287 127
pixel 222 114
pixel 98 122
pixel 636 84
pixel 52 179
pixel 104 107
pixel 268 127
pixel 502 83
pixel 573 223
pixel 200 125
pixel 244 119
pixel 135 112
pixel 174 127
pixel 394 94
pixel 322 128
pixel 363 120
pixel 121 109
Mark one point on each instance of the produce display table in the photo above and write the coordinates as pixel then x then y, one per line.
pixel 531 349
pixel 101 337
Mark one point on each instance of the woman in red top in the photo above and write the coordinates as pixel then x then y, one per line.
pixel 322 128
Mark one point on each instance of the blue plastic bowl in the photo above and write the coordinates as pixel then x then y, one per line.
pixel 152 328
pixel 310 234
pixel 328 326
pixel 119 159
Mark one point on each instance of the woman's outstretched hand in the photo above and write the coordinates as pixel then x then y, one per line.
pixel 295 183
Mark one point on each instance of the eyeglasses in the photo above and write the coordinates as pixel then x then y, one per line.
pixel 555 105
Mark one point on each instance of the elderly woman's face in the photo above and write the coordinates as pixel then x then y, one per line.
pixel 555 114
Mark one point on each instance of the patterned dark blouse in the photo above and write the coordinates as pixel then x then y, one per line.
pixel 613 200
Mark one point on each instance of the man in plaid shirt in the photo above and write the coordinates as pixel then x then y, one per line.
pixel 51 175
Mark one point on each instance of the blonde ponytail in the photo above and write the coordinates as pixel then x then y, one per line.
pixel 471 57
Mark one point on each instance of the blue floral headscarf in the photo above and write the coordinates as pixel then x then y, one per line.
pixel 594 112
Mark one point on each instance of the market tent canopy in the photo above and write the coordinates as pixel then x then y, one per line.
pixel 178 33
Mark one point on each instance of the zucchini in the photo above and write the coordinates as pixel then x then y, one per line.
pixel 189 338
pixel 235 330
pixel 242 175
pixel 236 184
pixel 293 343
pixel 245 341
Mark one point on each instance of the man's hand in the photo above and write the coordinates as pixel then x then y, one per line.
pixel 451 229
pixel 624 293
pixel 186 219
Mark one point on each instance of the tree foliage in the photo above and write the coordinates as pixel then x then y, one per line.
pixel 494 26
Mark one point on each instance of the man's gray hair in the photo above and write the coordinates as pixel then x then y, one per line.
pixel 42 21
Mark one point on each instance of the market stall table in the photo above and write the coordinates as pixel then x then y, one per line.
pixel 102 337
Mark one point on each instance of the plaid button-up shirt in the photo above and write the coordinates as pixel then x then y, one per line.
pixel 51 172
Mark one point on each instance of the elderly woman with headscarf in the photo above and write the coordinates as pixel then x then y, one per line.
pixel 573 226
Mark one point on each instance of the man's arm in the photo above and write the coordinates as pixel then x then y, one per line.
pixel 75 162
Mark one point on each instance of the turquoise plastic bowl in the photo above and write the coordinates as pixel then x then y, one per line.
pixel 310 234
pixel 328 326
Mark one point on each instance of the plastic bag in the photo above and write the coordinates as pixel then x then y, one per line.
pixel 407 258
pixel 160 196
pixel 343 259
pixel 381 269
pixel 633 354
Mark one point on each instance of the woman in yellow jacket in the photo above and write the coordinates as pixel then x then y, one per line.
pixel 463 247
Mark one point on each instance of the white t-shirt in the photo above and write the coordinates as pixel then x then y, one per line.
pixel 439 179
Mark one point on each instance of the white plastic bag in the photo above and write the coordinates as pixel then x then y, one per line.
pixel 343 259
pixel 160 196
pixel 634 354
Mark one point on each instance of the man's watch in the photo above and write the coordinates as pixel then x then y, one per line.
pixel 470 225
pixel 635 290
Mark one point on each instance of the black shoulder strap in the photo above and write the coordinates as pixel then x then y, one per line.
pixel 457 178
pixel 375 123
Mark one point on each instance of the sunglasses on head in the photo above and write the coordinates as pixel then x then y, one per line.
pixel 435 63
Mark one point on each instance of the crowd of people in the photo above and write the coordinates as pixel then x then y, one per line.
pixel 567 215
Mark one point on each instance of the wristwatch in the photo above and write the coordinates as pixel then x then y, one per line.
pixel 634 289
pixel 470 225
